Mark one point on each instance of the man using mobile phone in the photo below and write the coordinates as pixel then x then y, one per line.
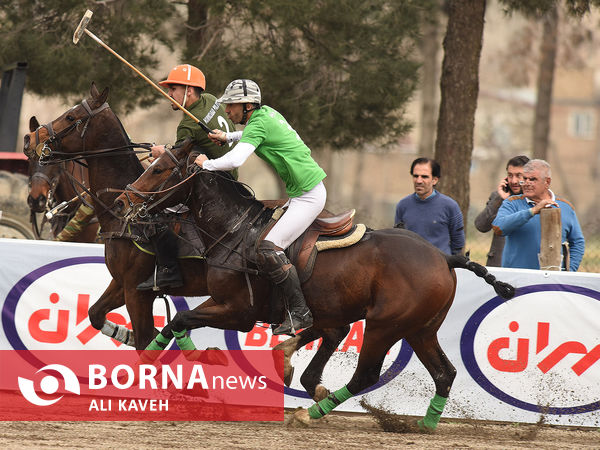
pixel 519 220
pixel 510 185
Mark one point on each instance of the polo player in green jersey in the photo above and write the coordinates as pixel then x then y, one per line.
pixel 269 135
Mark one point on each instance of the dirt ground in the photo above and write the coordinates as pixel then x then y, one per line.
pixel 335 432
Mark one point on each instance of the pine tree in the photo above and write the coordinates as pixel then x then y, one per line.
pixel 340 71
pixel 41 34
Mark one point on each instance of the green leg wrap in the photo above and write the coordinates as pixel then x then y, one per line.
pixel 154 349
pixel 326 405
pixel 158 343
pixel 183 340
pixel 434 412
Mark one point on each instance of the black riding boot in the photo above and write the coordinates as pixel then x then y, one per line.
pixel 166 274
pixel 281 272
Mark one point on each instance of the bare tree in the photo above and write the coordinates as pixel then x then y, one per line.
pixel 548 46
pixel 459 91
pixel 430 49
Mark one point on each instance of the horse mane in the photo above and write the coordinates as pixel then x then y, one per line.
pixel 237 195
pixel 136 160
pixel 242 188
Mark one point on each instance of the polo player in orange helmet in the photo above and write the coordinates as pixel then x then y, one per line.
pixel 186 84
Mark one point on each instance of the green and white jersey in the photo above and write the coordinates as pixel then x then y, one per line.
pixel 278 144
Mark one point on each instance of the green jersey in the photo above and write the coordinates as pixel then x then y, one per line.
pixel 278 144
pixel 212 114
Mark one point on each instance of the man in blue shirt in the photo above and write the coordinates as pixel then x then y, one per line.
pixel 432 215
pixel 518 219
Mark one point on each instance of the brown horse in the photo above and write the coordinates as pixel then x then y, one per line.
pixel 398 282
pixel 113 164
pixel 51 186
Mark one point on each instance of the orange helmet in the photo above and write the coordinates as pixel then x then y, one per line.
pixel 185 74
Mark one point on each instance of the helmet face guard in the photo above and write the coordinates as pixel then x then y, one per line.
pixel 241 91
pixel 186 75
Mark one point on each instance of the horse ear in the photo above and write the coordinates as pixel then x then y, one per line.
pixel 97 96
pixel 103 96
pixel 33 124
pixel 94 90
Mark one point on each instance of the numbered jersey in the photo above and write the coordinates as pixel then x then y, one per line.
pixel 212 114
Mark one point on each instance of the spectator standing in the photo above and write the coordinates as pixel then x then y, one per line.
pixel 432 215
pixel 518 219
pixel 508 186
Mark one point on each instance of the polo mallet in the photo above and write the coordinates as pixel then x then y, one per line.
pixel 82 28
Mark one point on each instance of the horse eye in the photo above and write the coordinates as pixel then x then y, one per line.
pixel 157 170
pixel 70 118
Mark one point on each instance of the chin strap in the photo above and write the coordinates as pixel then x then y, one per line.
pixel 245 112
pixel 185 97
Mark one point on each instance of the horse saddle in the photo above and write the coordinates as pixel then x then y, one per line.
pixel 326 232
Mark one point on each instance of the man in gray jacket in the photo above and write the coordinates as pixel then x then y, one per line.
pixel 511 185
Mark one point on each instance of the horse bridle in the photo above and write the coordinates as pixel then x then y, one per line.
pixel 43 149
pixel 142 210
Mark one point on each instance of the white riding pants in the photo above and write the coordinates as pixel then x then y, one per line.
pixel 301 212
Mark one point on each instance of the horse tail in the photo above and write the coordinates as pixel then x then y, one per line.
pixel 504 290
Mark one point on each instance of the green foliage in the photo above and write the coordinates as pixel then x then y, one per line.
pixel 340 71
pixel 41 34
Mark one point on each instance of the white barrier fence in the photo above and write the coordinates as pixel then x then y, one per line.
pixel 536 354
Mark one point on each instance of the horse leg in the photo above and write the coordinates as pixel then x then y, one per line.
pixel 427 348
pixel 377 341
pixel 139 308
pixel 311 378
pixel 312 374
pixel 112 298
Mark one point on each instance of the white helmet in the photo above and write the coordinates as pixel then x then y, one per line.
pixel 241 91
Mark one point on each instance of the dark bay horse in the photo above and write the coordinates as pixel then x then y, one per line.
pixel 50 186
pixel 398 282
pixel 113 164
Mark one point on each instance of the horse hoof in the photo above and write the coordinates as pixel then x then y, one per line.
pixel 288 375
pixel 321 392
pixel 301 418
pixel 213 356
pixel 422 428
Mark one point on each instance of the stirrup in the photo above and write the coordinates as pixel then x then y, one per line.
pixel 293 323
pixel 150 283
pixel 163 278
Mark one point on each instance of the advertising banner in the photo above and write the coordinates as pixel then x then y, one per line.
pixel 535 356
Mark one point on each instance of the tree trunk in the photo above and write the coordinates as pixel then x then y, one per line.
pixel 196 36
pixel 430 46
pixel 541 126
pixel 459 90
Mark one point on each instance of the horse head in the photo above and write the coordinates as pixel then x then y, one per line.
pixel 67 131
pixel 157 183
pixel 42 185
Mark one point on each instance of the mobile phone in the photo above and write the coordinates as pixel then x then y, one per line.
pixel 505 188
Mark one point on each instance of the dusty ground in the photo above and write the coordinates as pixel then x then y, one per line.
pixel 336 432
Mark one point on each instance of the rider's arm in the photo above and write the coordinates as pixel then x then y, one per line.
pixel 232 159
pixel 233 136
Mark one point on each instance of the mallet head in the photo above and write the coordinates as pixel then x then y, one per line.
pixel 82 26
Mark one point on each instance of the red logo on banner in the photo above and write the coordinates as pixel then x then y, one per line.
pixel 121 385
pixel 520 362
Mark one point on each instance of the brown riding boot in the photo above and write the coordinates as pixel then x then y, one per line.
pixel 281 272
